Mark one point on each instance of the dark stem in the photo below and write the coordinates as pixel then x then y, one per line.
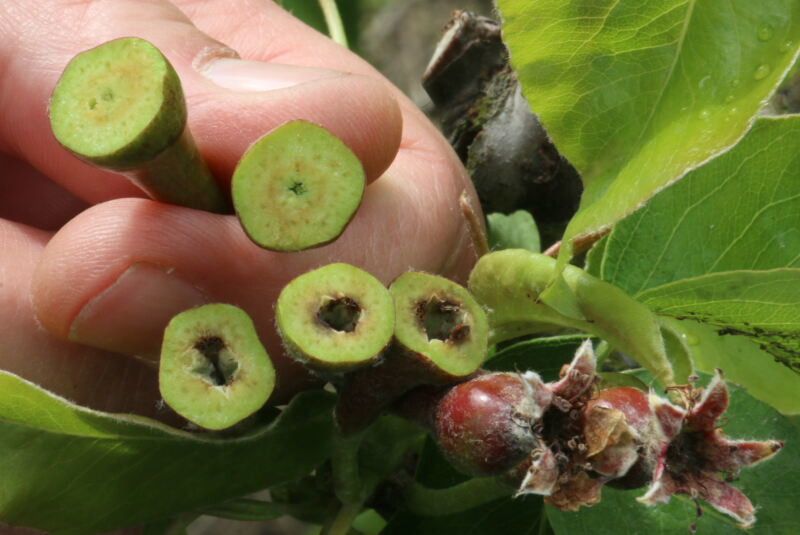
pixel 367 392
pixel 477 230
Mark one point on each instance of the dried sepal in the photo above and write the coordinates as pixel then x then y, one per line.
pixel 699 459
pixel 538 473
pixel 575 492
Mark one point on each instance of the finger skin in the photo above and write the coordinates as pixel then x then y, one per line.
pixel 410 218
pixel 397 228
pixel 362 112
pixel 87 376
pixel 29 197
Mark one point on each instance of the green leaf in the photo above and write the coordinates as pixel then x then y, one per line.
pixel 513 516
pixel 772 486
pixel 594 258
pixel 67 469
pixel 508 283
pixel 246 509
pixel 513 231
pixel 615 379
pixel 387 443
pixel 545 356
pixel 739 211
pixel 762 305
pixel 635 94
pixel 678 352
pixel 521 516
pixel 743 362
pixel 309 12
pixel 369 523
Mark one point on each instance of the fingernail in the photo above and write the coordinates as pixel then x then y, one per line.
pixel 244 75
pixel 130 315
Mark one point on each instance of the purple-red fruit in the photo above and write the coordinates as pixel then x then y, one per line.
pixel 618 425
pixel 484 427
pixel 699 459
pixel 634 439
pixel 565 440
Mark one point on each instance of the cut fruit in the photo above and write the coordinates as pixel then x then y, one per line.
pixel 440 337
pixel 297 187
pixel 120 106
pixel 439 324
pixel 214 371
pixel 335 318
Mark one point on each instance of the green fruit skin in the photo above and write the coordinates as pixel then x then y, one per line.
pixel 447 360
pixel 180 176
pixel 163 158
pixel 367 393
pixel 509 282
pixel 190 394
pixel 271 218
pixel 319 348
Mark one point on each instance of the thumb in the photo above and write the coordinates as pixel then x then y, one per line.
pixel 231 102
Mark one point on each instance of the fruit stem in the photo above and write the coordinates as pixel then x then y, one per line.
pixel 334 22
pixel 342 523
pixel 424 501
pixel 476 230
pixel 120 106
pixel 180 176
pixel 347 483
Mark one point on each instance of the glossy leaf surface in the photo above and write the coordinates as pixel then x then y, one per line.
pixel 67 469
pixel 635 94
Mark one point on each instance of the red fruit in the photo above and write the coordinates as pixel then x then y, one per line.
pixel 700 461
pixel 618 425
pixel 485 426
pixel 634 438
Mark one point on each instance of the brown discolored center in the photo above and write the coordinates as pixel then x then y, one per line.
pixel 443 319
pixel 340 314
pixel 685 454
pixel 217 367
pixel 298 188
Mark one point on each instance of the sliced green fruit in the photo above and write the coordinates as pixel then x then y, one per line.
pixel 335 318
pixel 441 337
pixel 439 323
pixel 509 284
pixel 297 187
pixel 214 371
pixel 120 106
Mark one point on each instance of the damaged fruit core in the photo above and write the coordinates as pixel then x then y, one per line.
pixel 298 188
pixel 217 365
pixel 684 455
pixel 340 314
pixel 443 319
pixel 561 428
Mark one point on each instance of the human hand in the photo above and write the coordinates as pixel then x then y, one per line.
pixel 91 269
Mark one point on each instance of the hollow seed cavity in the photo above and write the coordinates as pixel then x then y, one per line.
pixel 298 188
pixel 217 366
pixel 443 319
pixel 340 314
